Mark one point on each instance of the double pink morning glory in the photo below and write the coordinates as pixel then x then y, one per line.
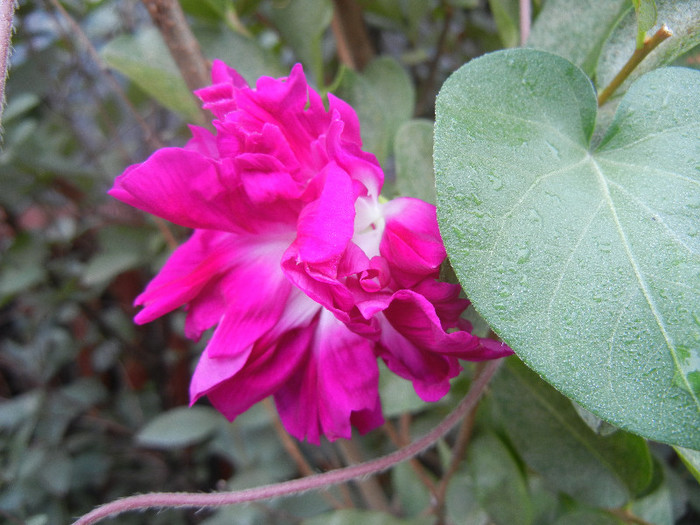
pixel 306 275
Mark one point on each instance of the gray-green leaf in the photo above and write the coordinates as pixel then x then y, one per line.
pixel 587 263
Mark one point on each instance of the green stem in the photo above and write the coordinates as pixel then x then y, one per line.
pixel 639 54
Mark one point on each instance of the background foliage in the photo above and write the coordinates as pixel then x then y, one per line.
pixel 92 406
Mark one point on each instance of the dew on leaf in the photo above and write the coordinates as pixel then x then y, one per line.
pixel 523 255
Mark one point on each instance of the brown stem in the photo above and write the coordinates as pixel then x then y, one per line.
pixel 7 8
pixel 370 489
pixel 291 447
pixel 416 465
pixel 352 40
pixel 458 451
pixel 333 477
pixel 426 91
pixel 639 54
pixel 169 18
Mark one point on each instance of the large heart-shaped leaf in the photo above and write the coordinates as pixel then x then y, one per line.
pixel 586 262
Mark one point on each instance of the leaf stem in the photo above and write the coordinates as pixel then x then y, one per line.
pixel 639 54
pixel 295 486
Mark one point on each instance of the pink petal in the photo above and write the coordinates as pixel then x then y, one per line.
pixel 195 264
pixel 181 186
pixel 326 225
pixel 322 397
pixel 429 372
pixel 233 388
pixel 411 242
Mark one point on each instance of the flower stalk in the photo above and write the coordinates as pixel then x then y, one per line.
pixel 297 486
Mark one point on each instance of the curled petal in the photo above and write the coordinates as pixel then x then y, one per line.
pixel 411 243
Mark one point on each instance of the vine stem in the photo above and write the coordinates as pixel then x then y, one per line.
pixel 639 54
pixel 7 9
pixel 296 486
pixel 525 20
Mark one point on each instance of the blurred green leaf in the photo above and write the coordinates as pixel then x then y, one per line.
pixel 384 98
pixel 413 149
pixel 691 459
pixel 506 15
pixel 412 494
pixel 589 517
pixel 145 60
pixel 577 29
pixel 241 53
pixel 552 439
pixel 180 427
pixel 397 394
pixel 122 248
pixel 646 14
pixel 301 24
pixel 365 517
pixel 681 16
pixel 18 409
pixel 22 266
pixel 497 478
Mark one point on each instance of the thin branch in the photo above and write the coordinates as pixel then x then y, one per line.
pixel 352 40
pixel 170 20
pixel 149 134
pixel 7 8
pixel 458 451
pixel 416 465
pixel 292 448
pixel 370 489
pixel 426 92
pixel 639 54
pixel 296 486
pixel 525 20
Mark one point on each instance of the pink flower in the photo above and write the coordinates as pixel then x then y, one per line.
pixel 307 276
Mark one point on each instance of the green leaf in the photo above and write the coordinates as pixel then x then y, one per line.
pixel 384 97
pixel 691 459
pixel 681 16
pixel 506 15
pixel 646 14
pixel 577 29
pixel 413 149
pixel 398 395
pixel 122 248
pixel 585 262
pixel 410 491
pixel 145 60
pixel 22 266
pixel 243 54
pixel 302 24
pixel 497 478
pixel 553 441
pixel 180 427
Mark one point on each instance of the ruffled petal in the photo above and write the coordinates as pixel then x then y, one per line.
pixel 233 388
pixel 322 398
pixel 411 242
pixel 430 372
pixel 181 186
